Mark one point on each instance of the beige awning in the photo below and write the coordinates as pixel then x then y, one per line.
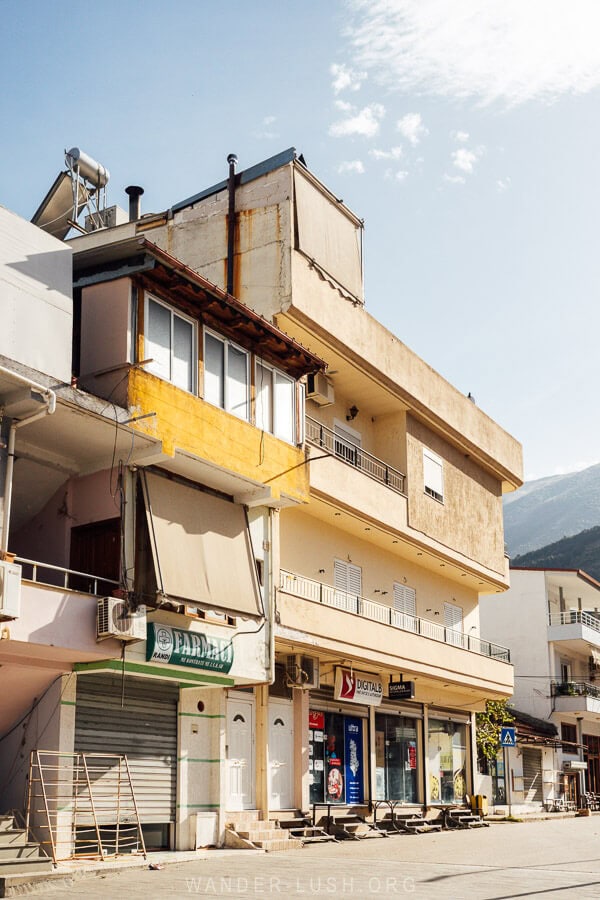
pixel 201 547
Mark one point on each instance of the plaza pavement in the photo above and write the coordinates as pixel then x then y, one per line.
pixel 551 859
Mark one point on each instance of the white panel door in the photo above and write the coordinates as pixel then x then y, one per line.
pixel 240 754
pixel 281 754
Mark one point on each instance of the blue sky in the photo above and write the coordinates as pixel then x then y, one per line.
pixel 466 135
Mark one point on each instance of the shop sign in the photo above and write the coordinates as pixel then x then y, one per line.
pixel 316 720
pixel 401 690
pixel 353 755
pixel 188 648
pixel 358 687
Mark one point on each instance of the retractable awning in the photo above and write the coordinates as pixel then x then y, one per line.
pixel 201 547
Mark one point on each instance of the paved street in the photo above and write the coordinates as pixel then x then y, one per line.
pixel 552 858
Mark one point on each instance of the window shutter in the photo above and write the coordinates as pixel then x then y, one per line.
pixel 453 616
pixel 354 580
pixel 405 599
pixel 347 577
pixel 433 474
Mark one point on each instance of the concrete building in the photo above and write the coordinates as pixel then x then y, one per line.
pixel 142 523
pixel 338 655
pixel 381 571
pixel 550 621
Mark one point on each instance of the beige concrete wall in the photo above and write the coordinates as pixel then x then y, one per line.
pixel 308 545
pixel 470 518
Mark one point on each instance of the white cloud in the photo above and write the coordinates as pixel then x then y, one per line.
pixel 465 159
pixel 503 184
pixel 351 167
pixel 344 106
pixel 394 153
pixel 269 120
pixel 505 51
pixel 461 137
pixel 364 123
pixel 455 179
pixel 401 175
pixel 345 79
pixel 412 128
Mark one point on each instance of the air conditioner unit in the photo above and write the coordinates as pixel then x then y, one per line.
pixel 10 590
pixel 320 389
pixel 302 671
pixel 116 620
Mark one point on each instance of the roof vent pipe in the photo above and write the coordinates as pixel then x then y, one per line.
pixel 134 192
pixel 232 160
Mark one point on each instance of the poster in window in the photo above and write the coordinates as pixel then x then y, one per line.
pixel 353 754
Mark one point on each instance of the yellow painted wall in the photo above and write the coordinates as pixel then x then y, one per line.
pixel 192 425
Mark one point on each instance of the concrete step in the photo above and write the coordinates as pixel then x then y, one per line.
pixel 23 851
pixel 12 868
pixel 262 834
pixel 7 822
pixel 13 838
pixel 281 844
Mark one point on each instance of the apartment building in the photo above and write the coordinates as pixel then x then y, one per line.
pixel 380 663
pixel 139 514
pixel 550 620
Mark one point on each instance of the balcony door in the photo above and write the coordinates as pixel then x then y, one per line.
pixel 453 621
pixel 347 581
pixel 96 550
pixel 347 443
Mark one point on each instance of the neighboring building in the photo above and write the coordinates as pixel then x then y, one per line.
pixel 128 486
pixel 550 620
pixel 381 571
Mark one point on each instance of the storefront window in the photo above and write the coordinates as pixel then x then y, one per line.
pixel 396 758
pixel 336 758
pixel 447 752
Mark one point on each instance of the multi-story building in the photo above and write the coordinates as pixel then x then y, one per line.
pixel 141 512
pixel 550 620
pixel 381 571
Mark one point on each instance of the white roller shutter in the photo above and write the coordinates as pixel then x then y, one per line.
pixel 144 729
pixel 532 775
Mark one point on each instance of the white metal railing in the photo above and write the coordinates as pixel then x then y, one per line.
pixel 58 576
pixel 316 591
pixel 575 617
pixel 322 436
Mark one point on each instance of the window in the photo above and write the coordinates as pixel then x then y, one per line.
pixel 568 734
pixel 170 342
pixel 447 752
pixel 433 475
pixel 405 606
pixel 275 403
pixel 226 380
pixel 453 622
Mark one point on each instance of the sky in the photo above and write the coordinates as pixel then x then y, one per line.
pixel 465 134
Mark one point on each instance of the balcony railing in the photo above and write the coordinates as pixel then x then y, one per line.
pixel 318 592
pixel 575 689
pixel 324 437
pixel 69 579
pixel 575 617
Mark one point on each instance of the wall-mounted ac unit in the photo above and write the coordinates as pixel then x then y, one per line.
pixel 116 620
pixel 10 590
pixel 320 389
pixel 302 671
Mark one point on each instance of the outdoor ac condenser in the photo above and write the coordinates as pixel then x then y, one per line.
pixel 116 620
pixel 10 590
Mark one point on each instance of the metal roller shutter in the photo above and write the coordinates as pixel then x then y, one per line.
pixel 144 729
pixel 532 775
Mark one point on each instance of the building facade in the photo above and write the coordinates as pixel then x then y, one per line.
pixel 550 621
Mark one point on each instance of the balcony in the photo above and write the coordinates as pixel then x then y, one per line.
pixel 576 696
pixel 324 594
pixel 576 626
pixel 321 436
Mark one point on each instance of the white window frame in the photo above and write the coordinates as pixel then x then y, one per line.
pixel 273 429
pixel 433 475
pixel 227 344
pixel 175 314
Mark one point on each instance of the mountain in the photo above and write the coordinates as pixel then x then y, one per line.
pixel 582 551
pixel 548 509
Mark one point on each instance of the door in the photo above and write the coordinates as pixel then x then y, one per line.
pixel 240 754
pixel 96 550
pixel 281 754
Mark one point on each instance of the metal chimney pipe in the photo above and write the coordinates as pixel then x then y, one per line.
pixel 134 192
pixel 232 160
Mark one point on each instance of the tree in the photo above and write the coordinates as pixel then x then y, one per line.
pixel 489 726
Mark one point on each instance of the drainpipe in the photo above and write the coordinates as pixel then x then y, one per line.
pixel 49 408
pixel 232 160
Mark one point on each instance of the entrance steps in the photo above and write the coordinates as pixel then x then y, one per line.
pixel 415 824
pixel 18 855
pixel 355 827
pixel 301 827
pixel 248 830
